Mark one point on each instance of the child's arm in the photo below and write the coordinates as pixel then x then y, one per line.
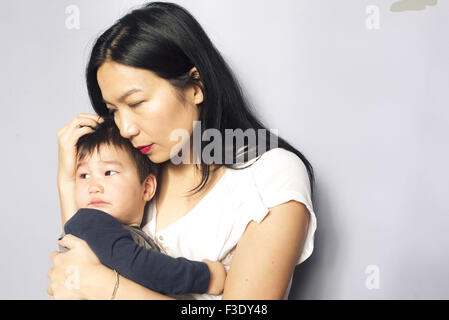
pixel 115 248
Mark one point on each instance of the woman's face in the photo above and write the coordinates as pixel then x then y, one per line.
pixel 147 109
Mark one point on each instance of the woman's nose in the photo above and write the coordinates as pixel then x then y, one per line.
pixel 127 126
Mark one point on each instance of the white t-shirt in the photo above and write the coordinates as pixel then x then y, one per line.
pixel 213 227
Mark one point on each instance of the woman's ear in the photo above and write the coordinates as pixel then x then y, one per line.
pixel 197 86
pixel 149 189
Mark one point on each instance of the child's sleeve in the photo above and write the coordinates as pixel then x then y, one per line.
pixel 116 249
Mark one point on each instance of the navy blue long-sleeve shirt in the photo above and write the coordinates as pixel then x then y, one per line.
pixel 116 249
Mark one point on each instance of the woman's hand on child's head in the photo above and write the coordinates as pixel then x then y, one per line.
pixel 68 136
pixel 217 277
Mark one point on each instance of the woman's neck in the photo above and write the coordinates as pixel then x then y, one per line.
pixel 183 173
pixel 179 171
pixel 181 178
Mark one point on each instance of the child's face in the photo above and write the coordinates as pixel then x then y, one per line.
pixel 109 181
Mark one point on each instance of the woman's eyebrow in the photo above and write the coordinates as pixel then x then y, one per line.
pixel 126 94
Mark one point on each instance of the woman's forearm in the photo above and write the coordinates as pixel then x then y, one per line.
pixel 68 137
pixel 66 189
pixel 104 283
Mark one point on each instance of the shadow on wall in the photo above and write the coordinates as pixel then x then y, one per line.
pixel 312 277
pixel 411 5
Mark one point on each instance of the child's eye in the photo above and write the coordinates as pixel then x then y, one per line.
pixel 84 175
pixel 110 172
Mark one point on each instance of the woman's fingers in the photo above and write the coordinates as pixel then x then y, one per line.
pixel 68 136
pixel 79 126
pixel 50 290
pixel 53 255
pixel 49 273
pixel 87 116
pixel 91 115
pixel 76 124
pixel 77 133
pixel 70 241
pixel 80 121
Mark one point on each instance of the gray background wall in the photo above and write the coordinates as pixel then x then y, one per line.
pixel 360 90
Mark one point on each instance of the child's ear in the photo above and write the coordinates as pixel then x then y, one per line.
pixel 150 185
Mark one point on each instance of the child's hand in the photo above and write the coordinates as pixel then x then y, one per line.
pixel 217 277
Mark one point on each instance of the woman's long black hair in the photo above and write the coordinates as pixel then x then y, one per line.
pixel 167 40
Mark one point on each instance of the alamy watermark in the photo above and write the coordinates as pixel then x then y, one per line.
pixel 372 282
pixel 72 20
pixel 73 280
pixel 372 21
pixel 220 150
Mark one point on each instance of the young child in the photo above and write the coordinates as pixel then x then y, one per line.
pixel 113 183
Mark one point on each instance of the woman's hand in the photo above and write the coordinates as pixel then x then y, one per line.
pixel 67 138
pixel 78 274
pixel 217 277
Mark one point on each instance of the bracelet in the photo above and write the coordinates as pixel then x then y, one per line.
pixel 116 285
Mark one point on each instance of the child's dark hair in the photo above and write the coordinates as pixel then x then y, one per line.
pixel 107 133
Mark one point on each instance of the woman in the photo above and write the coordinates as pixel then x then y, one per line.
pixel 156 73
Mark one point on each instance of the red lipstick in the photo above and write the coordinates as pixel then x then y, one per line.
pixel 145 149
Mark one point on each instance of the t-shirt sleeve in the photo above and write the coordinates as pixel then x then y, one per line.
pixel 281 176
pixel 116 249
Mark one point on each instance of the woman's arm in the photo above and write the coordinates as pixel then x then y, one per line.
pixel 78 274
pixel 66 190
pixel 67 138
pixel 253 274
pixel 266 254
pixel 127 290
pixel 114 246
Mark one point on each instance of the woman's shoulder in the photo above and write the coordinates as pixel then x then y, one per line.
pixel 275 177
pixel 270 178
pixel 275 164
pixel 279 161
pixel 279 174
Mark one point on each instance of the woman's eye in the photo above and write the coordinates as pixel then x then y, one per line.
pixel 135 104
pixel 110 173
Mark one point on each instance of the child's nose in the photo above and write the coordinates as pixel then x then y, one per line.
pixel 95 187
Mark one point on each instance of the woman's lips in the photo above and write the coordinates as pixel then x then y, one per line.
pixel 145 149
